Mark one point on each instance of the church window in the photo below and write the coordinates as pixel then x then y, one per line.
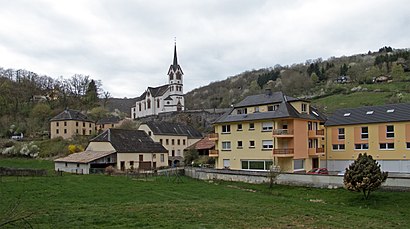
pixel 178 75
pixel 139 106
pixel 148 104
pixel 158 103
pixel 171 76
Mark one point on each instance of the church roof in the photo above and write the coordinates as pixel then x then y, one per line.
pixel 155 92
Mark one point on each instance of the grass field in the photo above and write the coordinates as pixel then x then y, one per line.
pixel 98 201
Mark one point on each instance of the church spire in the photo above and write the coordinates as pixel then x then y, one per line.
pixel 175 63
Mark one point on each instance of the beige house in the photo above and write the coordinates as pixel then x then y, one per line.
pixel 123 149
pixel 175 137
pixel 69 123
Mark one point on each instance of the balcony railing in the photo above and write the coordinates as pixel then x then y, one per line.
pixel 213 136
pixel 316 151
pixel 316 133
pixel 214 153
pixel 283 152
pixel 282 132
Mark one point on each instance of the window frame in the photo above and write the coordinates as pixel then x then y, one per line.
pixel 267 144
pixel 239 144
pixel 339 148
pixel 226 146
pixel 267 126
pixel 226 129
pixel 387 146
pixel 251 143
pixel 361 146
pixel 362 134
pixel 251 126
pixel 341 136
pixel 391 132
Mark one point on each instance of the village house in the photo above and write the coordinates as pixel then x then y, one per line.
pixel 175 137
pixel 123 149
pixel 203 146
pixel 381 131
pixel 69 123
pixel 108 122
pixel 269 129
pixel 165 98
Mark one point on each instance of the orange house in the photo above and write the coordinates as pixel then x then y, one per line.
pixel 269 129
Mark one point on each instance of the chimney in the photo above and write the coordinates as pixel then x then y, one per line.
pixel 268 92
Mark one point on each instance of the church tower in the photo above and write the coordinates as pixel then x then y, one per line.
pixel 175 81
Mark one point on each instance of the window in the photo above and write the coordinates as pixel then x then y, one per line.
pixel 390 131
pixel 256 109
pixel 139 106
pixel 162 157
pixel 178 141
pixel 407 145
pixel 242 111
pixel 173 153
pixel 57 124
pixel 65 123
pixel 65 131
pixel 251 144
pixel 76 131
pixel 304 107
pixel 298 164
pixel 183 141
pixel 361 146
pixel 78 165
pixel 172 141
pixel 267 144
pixel 256 165
pixel 167 141
pixel 341 134
pixel 66 164
pixel 227 163
pixel 57 131
pixel 239 127
pixel 338 147
pixel 226 128
pixel 89 132
pixel 160 141
pixel 90 125
pixel 251 126
pixel 369 112
pixel 83 124
pixel 226 145
pixel 386 146
pixel 239 144
pixel 273 107
pixel 365 132
pixel 267 126
pixel 131 164
pixel 76 123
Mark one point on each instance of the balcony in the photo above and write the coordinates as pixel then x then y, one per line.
pixel 283 152
pixel 213 137
pixel 213 153
pixel 316 151
pixel 316 133
pixel 282 133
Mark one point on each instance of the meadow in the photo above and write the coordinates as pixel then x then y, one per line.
pixel 100 201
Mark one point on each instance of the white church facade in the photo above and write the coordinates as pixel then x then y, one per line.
pixel 165 98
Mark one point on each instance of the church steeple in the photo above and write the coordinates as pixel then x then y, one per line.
pixel 175 63
pixel 175 74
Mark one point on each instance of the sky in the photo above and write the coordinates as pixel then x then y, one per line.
pixel 128 44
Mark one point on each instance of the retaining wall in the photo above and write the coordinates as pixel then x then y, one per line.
pixel 320 181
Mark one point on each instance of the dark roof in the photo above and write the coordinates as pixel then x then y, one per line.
pixel 130 141
pixel 261 99
pixel 371 114
pixel 155 92
pixel 109 120
pixel 175 66
pixel 285 110
pixel 167 128
pixel 71 115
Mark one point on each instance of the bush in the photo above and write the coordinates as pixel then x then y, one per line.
pixel 109 170
pixel 364 175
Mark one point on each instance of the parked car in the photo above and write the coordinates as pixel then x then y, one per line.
pixel 341 173
pixel 318 171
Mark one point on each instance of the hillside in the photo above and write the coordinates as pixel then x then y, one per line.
pixel 316 80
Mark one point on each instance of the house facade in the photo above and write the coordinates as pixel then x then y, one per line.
pixel 381 131
pixel 269 129
pixel 69 123
pixel 108 122
pixel 175 137
pixel 165 98
pixel 122 149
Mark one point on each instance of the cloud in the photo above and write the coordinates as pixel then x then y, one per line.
pixel 128 45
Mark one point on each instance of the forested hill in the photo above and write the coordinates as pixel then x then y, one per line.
pixel 316 80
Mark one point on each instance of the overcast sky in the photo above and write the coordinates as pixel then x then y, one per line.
pixel 128 45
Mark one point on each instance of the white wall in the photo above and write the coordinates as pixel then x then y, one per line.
pixel 72 167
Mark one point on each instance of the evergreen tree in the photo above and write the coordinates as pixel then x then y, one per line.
pixel 364 175
pixel 91 95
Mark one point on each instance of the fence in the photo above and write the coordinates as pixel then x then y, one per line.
pixel 22 172
pixel 309 180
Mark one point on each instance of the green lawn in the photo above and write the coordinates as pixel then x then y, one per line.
pixel 98 201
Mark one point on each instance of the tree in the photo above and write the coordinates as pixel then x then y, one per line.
pixel 314 78
pixel 364 175
pixel 91 95
pixel 190 156
pixel 397 73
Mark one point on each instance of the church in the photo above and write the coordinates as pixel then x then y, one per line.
pixel 165 98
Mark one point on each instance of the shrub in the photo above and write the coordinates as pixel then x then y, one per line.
pixel 364 175
pixel 109 170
